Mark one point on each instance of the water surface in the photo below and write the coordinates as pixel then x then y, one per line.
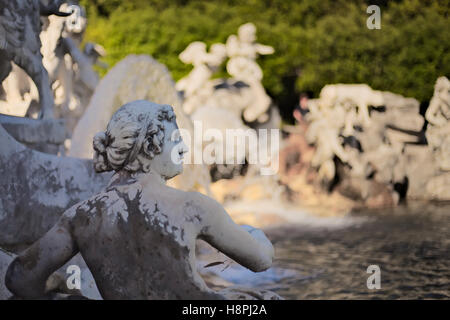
pixel 410 244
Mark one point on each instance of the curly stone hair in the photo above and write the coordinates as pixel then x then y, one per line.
pixel 134 135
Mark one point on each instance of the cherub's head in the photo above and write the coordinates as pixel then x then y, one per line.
pixel 247 32
pixel 141 136
pixel 442 88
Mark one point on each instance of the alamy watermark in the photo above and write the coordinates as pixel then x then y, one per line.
pixel 374 20
pixel 374 280
pixel 74 279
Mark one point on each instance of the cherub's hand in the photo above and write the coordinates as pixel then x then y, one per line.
pixel 258 235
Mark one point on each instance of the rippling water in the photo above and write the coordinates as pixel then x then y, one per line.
pixel 410 244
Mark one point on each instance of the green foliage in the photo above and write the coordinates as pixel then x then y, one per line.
pixel 316 42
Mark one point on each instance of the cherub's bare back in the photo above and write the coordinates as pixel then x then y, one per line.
pixel 136 249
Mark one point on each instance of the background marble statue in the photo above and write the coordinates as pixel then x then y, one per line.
pixel 70 69
pixel 324 133
pixel 205 64
pixel 438 117
pixel 138 235
pixel 242 51
pixel 355 98
pixel 20 43
pixel 243 94
pixel 375 140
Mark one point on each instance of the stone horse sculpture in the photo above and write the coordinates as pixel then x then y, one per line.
pixel 19 43
pixel 138 235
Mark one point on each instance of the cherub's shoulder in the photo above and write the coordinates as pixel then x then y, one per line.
pixel 194 197
pixel 205 206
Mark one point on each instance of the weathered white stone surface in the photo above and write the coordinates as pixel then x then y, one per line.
pixel 36 188
pixel 243 51
pixel 46 135
pixel 388 146
pixel 57 281
pixel 133 78
pixel 426 181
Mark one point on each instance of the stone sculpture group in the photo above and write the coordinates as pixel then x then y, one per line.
pixel 385 145
pixel 242 94
pixel 56 210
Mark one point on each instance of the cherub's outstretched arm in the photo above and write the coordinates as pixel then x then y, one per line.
pixel 28 273
pixel 246 245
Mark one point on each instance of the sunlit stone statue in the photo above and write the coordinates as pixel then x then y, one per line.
pixel 70 70
pixel 352 96
pixel 20 43
pixel 323 132
pixel 243 94
pixel 138 235
pixel 438 117
pixel 243 51
pixel 205 64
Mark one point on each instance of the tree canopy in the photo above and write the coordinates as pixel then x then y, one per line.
pixel 316 42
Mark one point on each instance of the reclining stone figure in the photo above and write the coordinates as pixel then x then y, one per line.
pixel 138 235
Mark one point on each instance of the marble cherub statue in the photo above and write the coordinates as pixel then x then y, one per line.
pixel 438 112
pixel 138 236
pixel 323 132
pixel 205 64
pixel 242 50
pixel 438 129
